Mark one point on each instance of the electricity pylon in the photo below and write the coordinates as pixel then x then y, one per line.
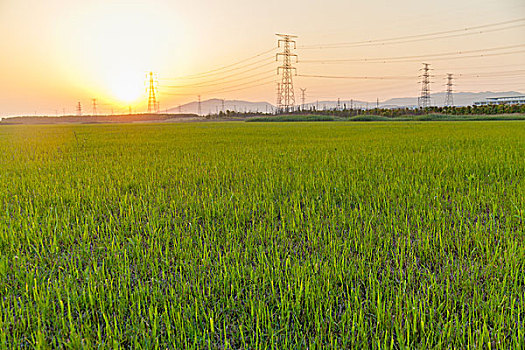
pixel 278 104
pixel 303 98
pixel 199 108
pixel 286 99
pixel 152 92
pixel 424 100
pixel 94 100
pixel 449 98
pixel 79 109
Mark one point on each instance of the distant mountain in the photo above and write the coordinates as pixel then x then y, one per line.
pixel 216 105
pixel 438 99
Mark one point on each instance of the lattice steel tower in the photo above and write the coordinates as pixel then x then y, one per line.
pixel 303 98
pixel 449 98
pixel 94 100
pixel 424 100
pixel 199 107
pixel 152 92
pixel 278 95
pixel 286 99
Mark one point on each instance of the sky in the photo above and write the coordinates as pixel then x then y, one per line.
pixel 56 53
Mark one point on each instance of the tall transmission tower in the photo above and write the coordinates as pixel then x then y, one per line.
pixel 303 98
pixel 94 100
pixel 79 109
pixel 286 96
pixel 152 99
pixel 449 98
pixel 199 111
pixel 424 99
pixel 278 104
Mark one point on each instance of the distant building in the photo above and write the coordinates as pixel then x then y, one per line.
pixel 513 100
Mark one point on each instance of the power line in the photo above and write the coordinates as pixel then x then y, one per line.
pixel 392 58
pixel 522 88
pixel 425 36
pixel 356 90
pixel 265 82
pixel 240 71
pixel 204 76
pixel 418 60
pixel 217 81
pixel 227 87
pixel 501 73
pixel 515 72
pixel 239 87
pixel 424 39
pixel 355 77
pixel 477 68
pixel 473 56
pixel 191 76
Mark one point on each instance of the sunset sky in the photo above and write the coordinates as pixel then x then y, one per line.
pixel 55 53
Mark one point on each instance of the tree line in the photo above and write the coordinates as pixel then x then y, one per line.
pixel 398 112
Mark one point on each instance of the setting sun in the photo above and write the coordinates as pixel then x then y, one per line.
pixel 125 85
pixel 118 65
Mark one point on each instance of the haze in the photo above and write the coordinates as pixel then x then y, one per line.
pixel 56 53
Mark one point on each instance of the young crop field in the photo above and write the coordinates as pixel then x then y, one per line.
pixel 263 235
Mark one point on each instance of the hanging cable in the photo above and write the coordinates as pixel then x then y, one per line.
pixel 426 36
pixel 395 58
pixel 212 72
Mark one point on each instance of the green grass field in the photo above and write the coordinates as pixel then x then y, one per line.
pixel 379 118
pixel 263 236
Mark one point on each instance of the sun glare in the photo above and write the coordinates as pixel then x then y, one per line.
pixel 126 86
pixel 125 42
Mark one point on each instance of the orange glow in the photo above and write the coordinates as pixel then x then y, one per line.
pixel 56 53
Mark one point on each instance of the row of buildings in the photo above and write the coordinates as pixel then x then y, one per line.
pixel 505 100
